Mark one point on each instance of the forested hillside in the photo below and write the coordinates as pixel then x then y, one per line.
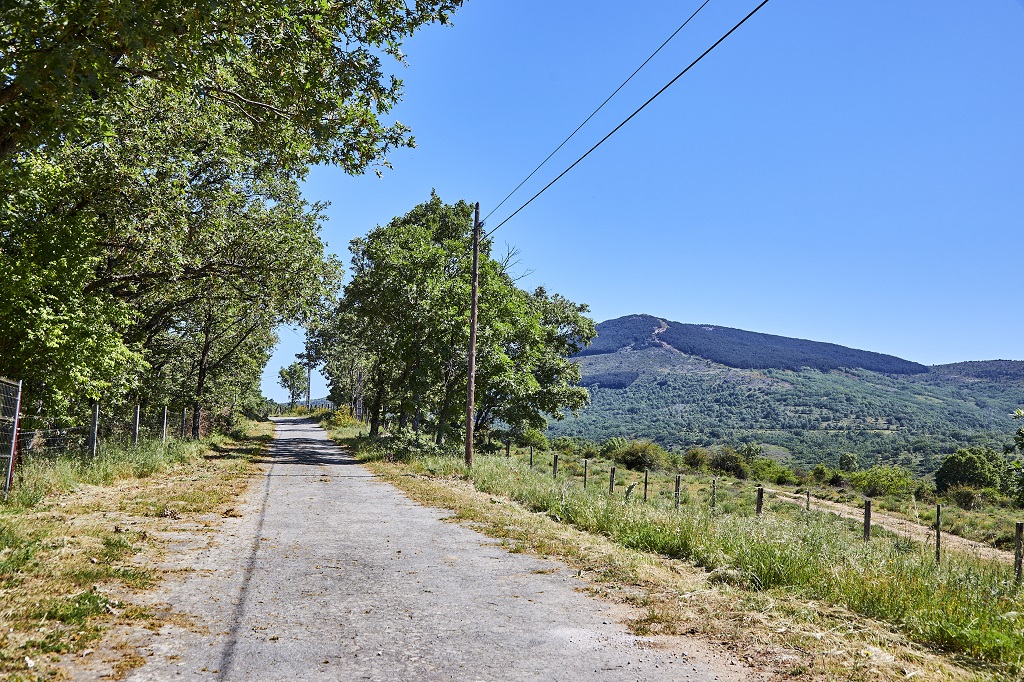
pixel 811 401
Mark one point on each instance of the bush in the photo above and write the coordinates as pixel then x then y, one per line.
pixel 613 445
pixel 729 461
pixel 533 438
pixel 883 480
pixel 641 454
pixel 697 459
pixel 972 467
pixel 767 469
pixel 965 497
pixel 848 461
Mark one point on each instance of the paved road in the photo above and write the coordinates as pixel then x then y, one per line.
pixel 332 574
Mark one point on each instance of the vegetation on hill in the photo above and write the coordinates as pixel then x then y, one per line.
pixel 646 389
pixel 740 349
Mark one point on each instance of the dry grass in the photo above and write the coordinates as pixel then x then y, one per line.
pixel 68 557
pixel 772 630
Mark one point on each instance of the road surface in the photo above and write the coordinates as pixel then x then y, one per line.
pixel 332 574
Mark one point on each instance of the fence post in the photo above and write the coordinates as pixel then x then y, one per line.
pixel 938 533
pixel 531 456
pixel 808 499
pixel 714 493
pixel 678 479
pixel 554 467
pixel 163 432
pixel 94 430
pixel 1018 550
pixel 646 472
pixel 760 499
pixel 611 482
pixel 135 424
pixel 508 447
pixel 586 466
pixel 183 423
pixel 867 520
pixel 14 442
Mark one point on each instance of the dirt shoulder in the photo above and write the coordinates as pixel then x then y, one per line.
pixel 75 567
pixel 894 524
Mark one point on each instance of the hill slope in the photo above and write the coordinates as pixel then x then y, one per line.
pixel 685 385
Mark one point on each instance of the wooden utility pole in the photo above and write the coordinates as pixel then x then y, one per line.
pixel 472 336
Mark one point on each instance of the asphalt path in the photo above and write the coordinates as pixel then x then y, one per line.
pixel 332 574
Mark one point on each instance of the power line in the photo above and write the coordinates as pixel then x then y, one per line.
pixel 641 108
pixel 594 113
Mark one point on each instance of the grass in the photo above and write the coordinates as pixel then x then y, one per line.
pixel 966 608
pixel 72 529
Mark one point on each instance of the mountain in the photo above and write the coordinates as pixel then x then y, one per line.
pixel 685 384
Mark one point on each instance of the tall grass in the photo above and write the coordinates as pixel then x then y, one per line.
pixel 39 477
pixel 964 605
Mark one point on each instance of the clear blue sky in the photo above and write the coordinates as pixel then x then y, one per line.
pixel 842 171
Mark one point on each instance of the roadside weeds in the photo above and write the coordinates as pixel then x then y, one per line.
pixel 71 560
pixel 772 631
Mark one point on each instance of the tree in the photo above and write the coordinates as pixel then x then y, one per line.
pixel 848 461
pixel 974 467
pixel 293 379
pixel 306 67
pixel 403 322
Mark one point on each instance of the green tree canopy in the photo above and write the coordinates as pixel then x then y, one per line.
pixel 293 379
pixel 401 330
pixel 974 467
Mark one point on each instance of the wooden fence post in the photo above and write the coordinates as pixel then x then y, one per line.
pixel 531 456
pixel 714 493
pixel 808 499
pixel 867 520
pixel 646 472
pixel 760 499
pixel 508 448
pixel 611 482
pixel 586 466
pixel 183 423
pixel 164 431
pixel 135 424
pixel 554 467
pixel 1018 550
pixel 678 480
pixel 938 533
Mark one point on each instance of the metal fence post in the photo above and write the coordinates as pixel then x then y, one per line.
pixel 1018 550
pixel 94 431
pixel 135 425
pixel 14 442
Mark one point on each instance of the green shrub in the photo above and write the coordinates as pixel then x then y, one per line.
pixel 613 445
pixel 965 497
pixel 697 459
pixel 882 480
pixel 767 469
pixel 974 467
pixel 642 454
pixel 729 461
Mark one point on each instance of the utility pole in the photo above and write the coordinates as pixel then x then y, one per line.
pixel 472 336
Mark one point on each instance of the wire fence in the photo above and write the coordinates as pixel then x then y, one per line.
pixel 85 434
pixel 10 407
